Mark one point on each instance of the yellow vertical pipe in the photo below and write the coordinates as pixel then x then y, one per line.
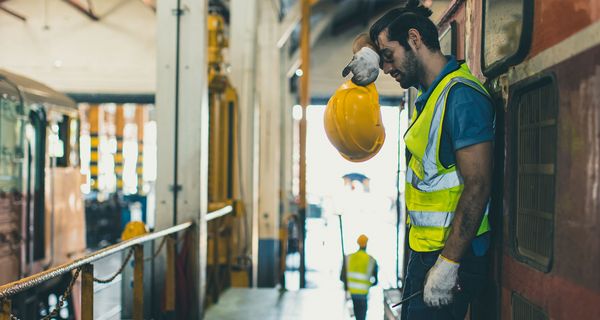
pixel 304 101
pixel 141 117
pixel 6 310
pixel 119 128
pixel 94 125
pixel 87 292
pixel 138 283
pixel 170 276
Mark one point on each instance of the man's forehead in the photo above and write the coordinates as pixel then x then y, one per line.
pixel 382 39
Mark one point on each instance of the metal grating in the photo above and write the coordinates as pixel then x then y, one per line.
pixel 525 310
pixel 536 157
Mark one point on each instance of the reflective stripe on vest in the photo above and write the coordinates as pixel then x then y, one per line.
pixel 433 191
pixel 359 269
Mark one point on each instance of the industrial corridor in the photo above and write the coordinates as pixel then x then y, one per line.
pixel 299 159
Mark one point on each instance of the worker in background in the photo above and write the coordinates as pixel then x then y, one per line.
pixel 293 243
pixel 359 273
pixel 449 175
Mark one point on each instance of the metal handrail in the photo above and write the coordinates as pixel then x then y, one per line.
pixel 219 213
pixel 21 285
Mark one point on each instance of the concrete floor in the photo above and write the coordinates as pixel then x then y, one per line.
pixel 270 304
pixel 305 304
pixel 107 297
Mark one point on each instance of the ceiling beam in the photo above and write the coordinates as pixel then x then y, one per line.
pixel 89 11
pixel 289 23
pixel 315 33
pixel 12 12
pixel 151 4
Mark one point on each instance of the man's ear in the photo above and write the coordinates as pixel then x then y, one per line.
pixel 414 39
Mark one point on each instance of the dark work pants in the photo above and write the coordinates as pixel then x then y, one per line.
pixel 359 303
pixel 472 276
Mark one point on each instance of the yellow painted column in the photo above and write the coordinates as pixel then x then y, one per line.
pixel 94 118
pixel 119 129
pixel 141 117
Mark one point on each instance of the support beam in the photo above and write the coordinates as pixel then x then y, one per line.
pixel 243 58
pixel 151 4
pixel 269 99
pixel 291 20
pixel 88 11
pixel 304 101
pixel 182 123
pixel 317 31
pixel 87 292
pixel 12 12
pixel 289 23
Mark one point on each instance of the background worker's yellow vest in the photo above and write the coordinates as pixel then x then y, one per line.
pixel 433 191
pixel 359 269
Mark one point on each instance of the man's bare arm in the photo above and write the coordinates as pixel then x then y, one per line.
pixel 475 166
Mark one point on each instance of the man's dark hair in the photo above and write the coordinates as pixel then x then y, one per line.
pixel 399 20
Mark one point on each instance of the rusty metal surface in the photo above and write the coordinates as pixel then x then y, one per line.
pixel 32 281
pixel 559 19
pixel 11 206
pixel 69 219
pixel 473 37
pixel 578 170
pixel 571 288
pixel 560 297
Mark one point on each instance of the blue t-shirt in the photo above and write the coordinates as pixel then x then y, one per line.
pixel 468 120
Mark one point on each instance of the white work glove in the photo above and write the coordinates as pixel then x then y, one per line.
pixel 441 282
pixel 364 66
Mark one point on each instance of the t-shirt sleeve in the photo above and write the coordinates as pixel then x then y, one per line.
pixel 469 117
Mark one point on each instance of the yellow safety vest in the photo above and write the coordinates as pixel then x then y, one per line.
pixel 359 269
pixel 433 191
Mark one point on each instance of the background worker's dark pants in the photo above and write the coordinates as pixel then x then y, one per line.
pixel 472 277
pixel 359 303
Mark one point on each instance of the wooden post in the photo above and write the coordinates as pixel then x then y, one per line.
pixel 170 276
pixel 304 101
pixel 87 292
pixel 138 283
pixel 6 309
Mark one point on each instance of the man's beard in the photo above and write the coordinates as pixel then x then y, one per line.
pixel 411 67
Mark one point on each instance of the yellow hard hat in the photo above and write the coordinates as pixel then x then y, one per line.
pixel 353 121
pixel 362 241
pixel 133 229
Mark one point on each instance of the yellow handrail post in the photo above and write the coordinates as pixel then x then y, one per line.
pixel 170 276
pixel 6 309
pixel 87 292
pixel 138 282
